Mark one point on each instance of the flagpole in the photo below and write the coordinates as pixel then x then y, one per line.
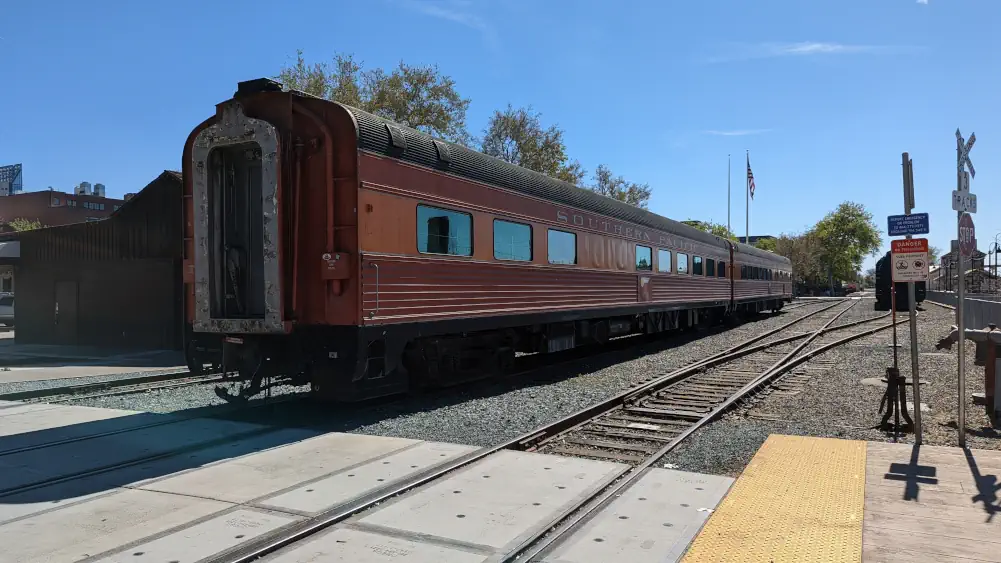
pixel 747 203
pixel 728 229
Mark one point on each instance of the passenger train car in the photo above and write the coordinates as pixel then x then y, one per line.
pixel 330 245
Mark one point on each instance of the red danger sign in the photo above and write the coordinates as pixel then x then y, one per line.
pixel 912 245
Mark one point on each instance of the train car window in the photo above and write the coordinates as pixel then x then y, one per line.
pixel 682 263
pixel 721 269
pixel 743 271
pixel 442 231
pixel 696 265
pixel 710 267
pixel 644 258
pixel 562 247
pixel 663 260
pixel 512 241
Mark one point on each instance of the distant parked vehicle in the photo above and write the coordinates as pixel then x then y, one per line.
pixel 7 310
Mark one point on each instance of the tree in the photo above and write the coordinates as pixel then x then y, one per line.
pixel 616 187
pixel 846 236
pixel 517 136
pixel 768 244
pixel 20 224
pixel 717 229
pixel 933 254
pixel 804 252
pixel 420 97
pixel 869 279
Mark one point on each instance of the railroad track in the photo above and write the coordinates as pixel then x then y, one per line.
pixel 123 386
pixel 637 426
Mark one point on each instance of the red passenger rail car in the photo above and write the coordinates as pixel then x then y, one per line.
pixel 331 246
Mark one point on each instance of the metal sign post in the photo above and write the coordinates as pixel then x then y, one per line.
pixel 917 268
pixel 963 202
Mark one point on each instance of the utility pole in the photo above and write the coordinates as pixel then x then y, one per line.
pixel 908 165
pixel 728 229
pixel 964 203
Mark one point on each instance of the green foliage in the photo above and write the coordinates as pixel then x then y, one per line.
pixel 712 228
pixel 20 224
pixel 847 235
pixel 768 244
pixel 517 136
pixel 804 251
pixel 934 253
pixel 420 97
pixel 616 187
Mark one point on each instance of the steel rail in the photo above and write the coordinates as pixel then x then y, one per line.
pixel 541 542
pixel 108 384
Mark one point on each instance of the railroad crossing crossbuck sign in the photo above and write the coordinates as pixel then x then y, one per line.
pixel 964 152
pixel 909 259
pixel 967 235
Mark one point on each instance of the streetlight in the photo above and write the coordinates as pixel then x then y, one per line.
pixel 994 271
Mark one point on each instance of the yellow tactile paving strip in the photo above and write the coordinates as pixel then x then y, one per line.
pixel 800 499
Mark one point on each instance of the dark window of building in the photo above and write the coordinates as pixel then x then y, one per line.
pixel 696 265
pixel 512 241
pixel 441 231
pixel 562 247
pixel 663 260
pixel 682 263
pixel 721 269
pixel 644 258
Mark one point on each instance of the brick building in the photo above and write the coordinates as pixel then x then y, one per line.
pixel 52 208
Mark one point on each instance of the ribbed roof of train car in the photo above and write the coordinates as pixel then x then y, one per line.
pixel 375 134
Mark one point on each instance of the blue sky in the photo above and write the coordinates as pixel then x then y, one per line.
pixel 825 95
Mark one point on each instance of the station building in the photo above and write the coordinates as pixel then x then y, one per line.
pixel 114 282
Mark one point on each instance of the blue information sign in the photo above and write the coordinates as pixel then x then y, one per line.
pixel 913 224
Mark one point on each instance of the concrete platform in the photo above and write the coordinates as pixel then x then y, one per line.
pixel 820 499
pixel 199 498
pixel 39 362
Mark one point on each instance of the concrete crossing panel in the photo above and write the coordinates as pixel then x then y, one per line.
pixel 265 473
pixel 495 502
pixel 653 521
pixel 345 486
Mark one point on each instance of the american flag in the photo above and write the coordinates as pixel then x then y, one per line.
pixel 750 177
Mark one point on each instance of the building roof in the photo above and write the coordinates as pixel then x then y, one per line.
pixel 169 174
pixel 755 238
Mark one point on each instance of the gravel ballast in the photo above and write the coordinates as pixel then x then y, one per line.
pixel 480 414
pixel 836 404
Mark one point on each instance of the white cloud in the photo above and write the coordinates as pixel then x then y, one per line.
pixel 456 11
pixel 737 132
pixel 801 49
pixel 922 1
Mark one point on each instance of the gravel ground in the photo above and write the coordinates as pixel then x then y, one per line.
pixel 480 414
pixel 17 386
pixel 835 403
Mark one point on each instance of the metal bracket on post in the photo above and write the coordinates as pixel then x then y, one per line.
pixel 895 402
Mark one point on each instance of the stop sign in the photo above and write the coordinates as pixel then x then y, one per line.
pixel 967 235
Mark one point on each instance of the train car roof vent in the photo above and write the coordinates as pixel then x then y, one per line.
pixel 258 85
pixel 396 137
pixel 443 153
